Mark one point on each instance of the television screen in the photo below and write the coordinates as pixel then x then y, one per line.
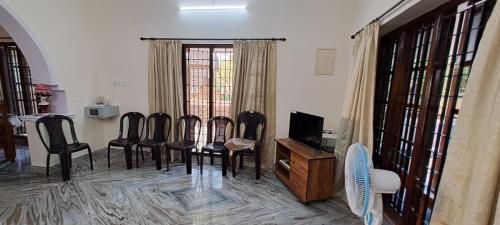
pixel 306 128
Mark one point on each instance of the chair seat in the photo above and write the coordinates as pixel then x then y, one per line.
pixel 124 142
pixel 70 147
pixel 151 142
pixel 240 144
pixel 214 147
pixel 181 145
pixel 247 151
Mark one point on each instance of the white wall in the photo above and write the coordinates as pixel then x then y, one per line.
pixel 367 10
pixel 92 42
pixel 66 30
pixel 306 24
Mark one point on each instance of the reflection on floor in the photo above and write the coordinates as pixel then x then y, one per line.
pixel 21 165
pixel 148 196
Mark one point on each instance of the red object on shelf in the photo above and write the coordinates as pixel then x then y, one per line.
pixel 43 90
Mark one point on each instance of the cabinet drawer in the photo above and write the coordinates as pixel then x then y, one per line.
pixel 299 165
pixel 298 189
pixel 299 178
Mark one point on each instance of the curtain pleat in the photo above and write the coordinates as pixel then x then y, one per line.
pixel 165 80
pixel 254 87
pixel 469 188
pixel 356 125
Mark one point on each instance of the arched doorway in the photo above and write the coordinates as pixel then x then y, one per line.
pixel 38 61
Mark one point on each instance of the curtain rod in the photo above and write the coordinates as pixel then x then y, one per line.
pixel 215 39
pixel 380 17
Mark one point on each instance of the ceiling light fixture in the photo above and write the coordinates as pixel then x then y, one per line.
pixel 222 7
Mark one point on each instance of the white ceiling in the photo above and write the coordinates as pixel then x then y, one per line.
pixel 210 2
pixel 405 15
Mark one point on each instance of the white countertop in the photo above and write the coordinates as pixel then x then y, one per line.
pixel 34 117
pixel 330 135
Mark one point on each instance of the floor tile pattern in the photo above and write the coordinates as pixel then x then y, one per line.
pixel 148 196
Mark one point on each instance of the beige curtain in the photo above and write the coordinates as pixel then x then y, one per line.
pixel 356 124
pixel 469 188
pixel 254 87
pixel 165 80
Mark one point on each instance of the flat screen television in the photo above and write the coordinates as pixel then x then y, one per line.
pixel 306 128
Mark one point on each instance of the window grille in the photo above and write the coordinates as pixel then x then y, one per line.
pixel 17 87
pixel 208 80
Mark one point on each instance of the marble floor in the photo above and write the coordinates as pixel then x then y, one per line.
pixel 148 196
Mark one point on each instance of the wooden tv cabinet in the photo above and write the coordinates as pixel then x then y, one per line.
pixel 309 175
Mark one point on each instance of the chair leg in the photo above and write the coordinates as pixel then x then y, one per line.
pixel 70 161
pixel 65 160
pixel 188 153
pixel 183 158
pixel 224 162
pixel 211 158
pixel 201 164
pixel 142 153
pixel 109 160
pixel 137 156
pixel 257 165
pixel 241 161
pixel 168 158
pixel 198 157
pixel 128 157
pixel 157 152
pixel 233 163
pixel 91 161
pixel 48 164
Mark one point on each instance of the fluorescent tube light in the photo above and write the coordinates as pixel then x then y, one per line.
pixel 222 7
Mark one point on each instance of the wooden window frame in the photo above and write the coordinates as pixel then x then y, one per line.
pixel 211 76
pixel 8 81
pixel 414 209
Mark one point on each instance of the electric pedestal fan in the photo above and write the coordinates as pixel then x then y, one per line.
pixel 365 184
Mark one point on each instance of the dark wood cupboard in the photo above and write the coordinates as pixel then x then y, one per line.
pixel 307 172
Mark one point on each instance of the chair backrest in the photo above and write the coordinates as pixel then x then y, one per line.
pixel 192 128
pixel 161 124
pixel 135 125
pixel 54 127
pixel 217 128
pixel 252 121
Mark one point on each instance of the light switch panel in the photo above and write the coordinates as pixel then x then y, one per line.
pixel 120 83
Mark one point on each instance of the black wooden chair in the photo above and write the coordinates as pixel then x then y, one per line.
pixel 217 128
pixel 134 134
pixel 160 124
pixel 58 143
pixel 186 140
pixel 254 128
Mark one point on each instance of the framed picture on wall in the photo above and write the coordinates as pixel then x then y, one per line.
pixel 325 61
